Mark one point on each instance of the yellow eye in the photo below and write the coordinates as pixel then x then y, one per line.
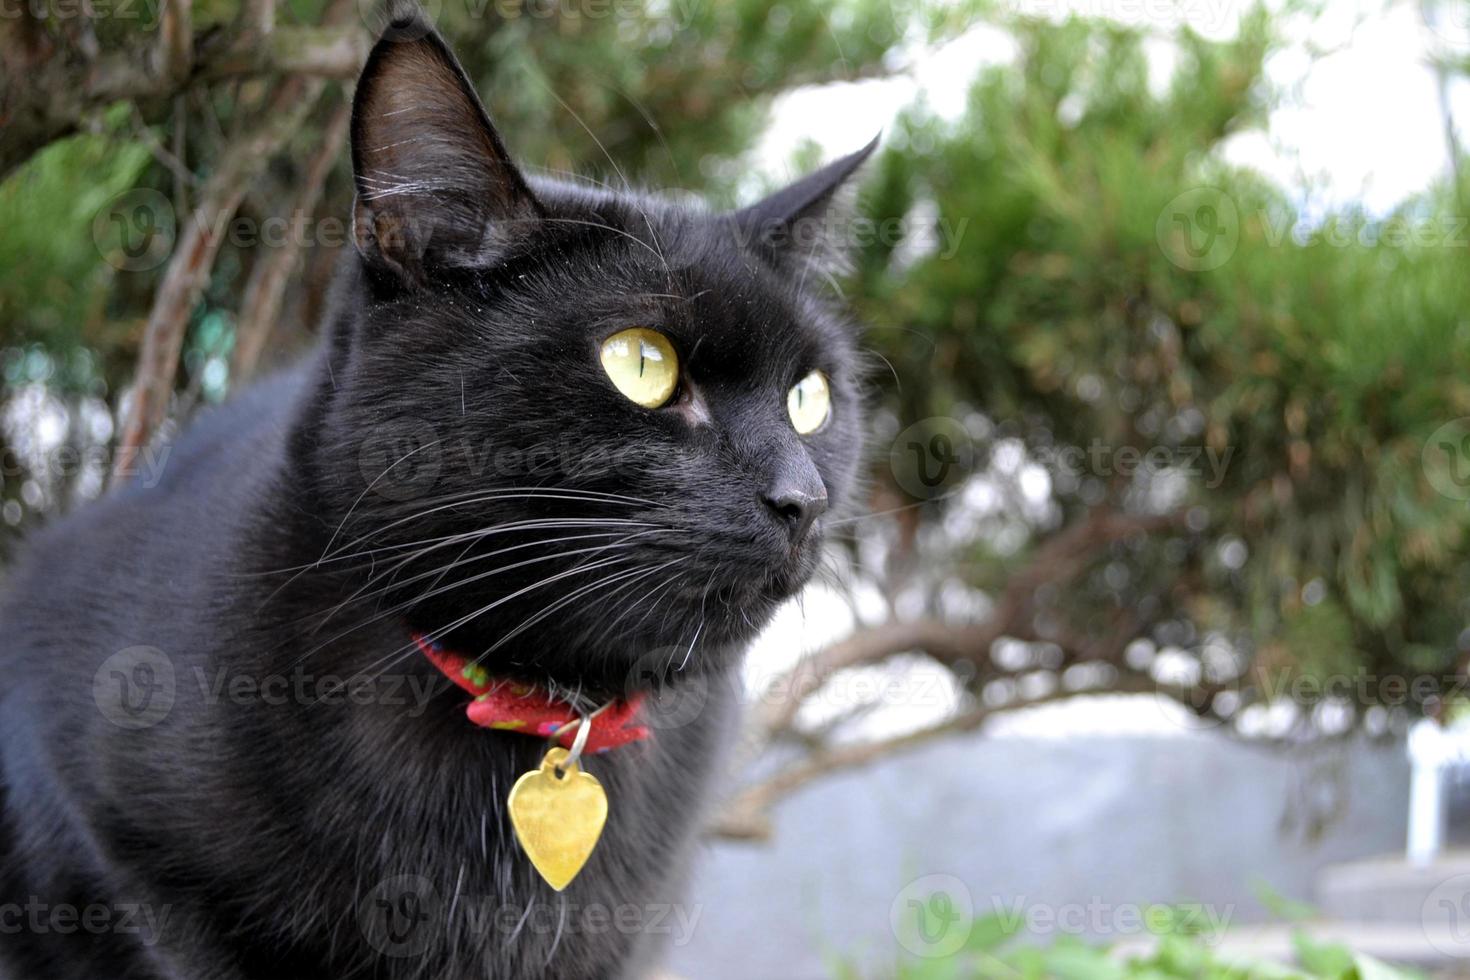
pixel 642 364
pixel 809 403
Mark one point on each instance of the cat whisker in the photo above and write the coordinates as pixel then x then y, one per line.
pixel 472 538
pixel 897 381
pixel 436 634
pixel 874 514
pixel 571 175
pixel 628 578
pixel 536 523
pixel 368 489
pixel 605 629
pixel 469 501
pixel 545 524
pixel 619 231
pixel 573 113
pixel 690 652
pixel 431 593
pixel 407 648
pixel 644 599
pixel 624 540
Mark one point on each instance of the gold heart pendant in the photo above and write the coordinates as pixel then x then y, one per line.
pixel 558 812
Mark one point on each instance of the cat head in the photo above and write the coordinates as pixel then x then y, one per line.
pixel 577 429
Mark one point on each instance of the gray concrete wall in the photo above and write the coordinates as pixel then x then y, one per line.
pixel 1075 834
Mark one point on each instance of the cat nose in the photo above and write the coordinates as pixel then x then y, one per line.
pixel 796 507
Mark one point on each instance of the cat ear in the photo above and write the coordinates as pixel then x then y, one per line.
pixel 435 185
pixel 802 224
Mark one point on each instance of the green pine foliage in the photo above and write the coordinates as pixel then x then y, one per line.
pixel 1314 357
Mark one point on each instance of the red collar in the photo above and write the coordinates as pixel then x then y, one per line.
pixel 511 707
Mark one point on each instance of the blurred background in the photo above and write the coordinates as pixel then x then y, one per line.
pixel 1152 646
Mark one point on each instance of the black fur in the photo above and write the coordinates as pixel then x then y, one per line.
pixel 255 819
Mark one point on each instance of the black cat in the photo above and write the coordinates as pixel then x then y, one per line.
pixel 586 439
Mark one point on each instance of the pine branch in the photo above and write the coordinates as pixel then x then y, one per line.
pixel 1058 561
pixel 747 818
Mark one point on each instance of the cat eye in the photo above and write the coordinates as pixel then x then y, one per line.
pixel 643 366
pixel 809 403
